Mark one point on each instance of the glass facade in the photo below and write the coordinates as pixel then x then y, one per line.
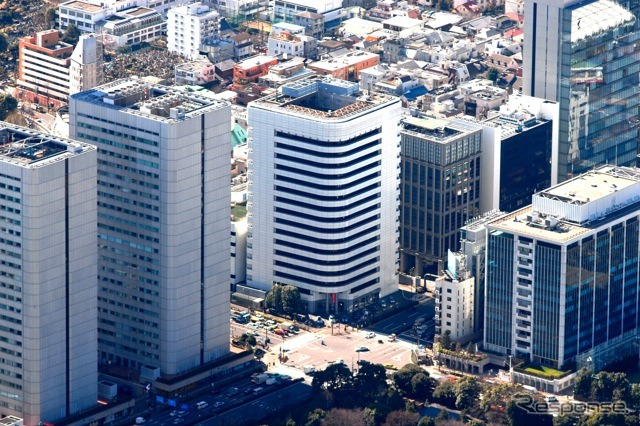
pixel 569 299
pixel 499 293
pixel 440 190
pixel 599 99
pixel 525 165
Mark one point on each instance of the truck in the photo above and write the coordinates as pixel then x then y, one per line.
pixel 260 378
pixel 309 369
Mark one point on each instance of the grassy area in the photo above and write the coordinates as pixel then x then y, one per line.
pixel 239 211
pixel 543 371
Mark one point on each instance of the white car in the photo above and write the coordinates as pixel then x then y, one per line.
pixel 370 335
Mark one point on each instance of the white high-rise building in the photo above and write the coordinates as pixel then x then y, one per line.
pixel 48 314
pixel 189 26
pixel 86 65
pixel 163 223
pixel 323 192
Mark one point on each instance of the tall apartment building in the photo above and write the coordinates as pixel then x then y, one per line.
pixel 455 296
pixel 562 273
pixel 440 188
pixel 519 152
pixel 189 26
pixel 49 69
pixel 163 223
pixel 585 56
pixel 48 326
pixel 323 189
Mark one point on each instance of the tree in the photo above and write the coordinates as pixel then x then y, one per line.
pixel 493 74
pixel 336 379
pixel 341 417
pixel 7 104
pixel 518 416
pixel 442 416
pixel 445 393
pixel 582 386
pixel 422 386
pixel 402 418
pixel 273 300
pixel 50 17
pixel 605 386
pixel 4 44
pixel 445 340
pixel 71 35
pixel 315 417
pixel 291 300
pixel 467 391
pixel 402 378
pixel 370 381
pixel 427 421
pixel 248 339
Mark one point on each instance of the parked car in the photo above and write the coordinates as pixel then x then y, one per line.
pixel 362 349
pixel 370 335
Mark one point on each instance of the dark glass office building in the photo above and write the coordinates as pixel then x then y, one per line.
pixel 586 56
pixel 440 188
pixel 562 273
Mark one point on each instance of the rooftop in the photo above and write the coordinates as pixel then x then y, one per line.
pixel 163 103
pixel 347 60
pixel 28 148
pixel 576 206
pixel 439 130
pixel 594 17
pixel 324 98
pixel 81 5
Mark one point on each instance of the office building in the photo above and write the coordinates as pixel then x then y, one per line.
pixel 43 70
pixel 131 26
pixel 48 327
pixel 190 26
pixel 440 188
pixel 585 56
pixel 323 190
pixel 51 69
pixel 163 223
pixel 562 273
pixel 519 152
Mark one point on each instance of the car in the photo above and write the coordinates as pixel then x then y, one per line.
pixel 271 322
pixel 370 335
pixel 390 367
pixel 218 404
pixel 383 304
pixel 552 398
pixel 173 413
pixel 178 420
pixel 362 349
pixel 332 319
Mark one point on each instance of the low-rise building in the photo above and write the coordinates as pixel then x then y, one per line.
pixel 313 23
pixel 194 73
pixel 251 69
pixel 346 67
pixel 131 26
